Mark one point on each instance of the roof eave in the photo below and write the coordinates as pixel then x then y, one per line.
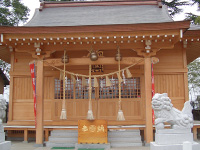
pixel 97 28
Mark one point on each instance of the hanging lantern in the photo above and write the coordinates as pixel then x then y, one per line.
pixel 93 56
pixel 66 59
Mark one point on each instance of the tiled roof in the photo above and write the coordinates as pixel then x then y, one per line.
pixel 99 15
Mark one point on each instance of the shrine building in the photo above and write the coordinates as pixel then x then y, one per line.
pixel 102 52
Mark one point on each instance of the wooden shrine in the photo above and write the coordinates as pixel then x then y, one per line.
pixel 144 35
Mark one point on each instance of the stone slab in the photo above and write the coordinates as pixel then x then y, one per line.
pixel 163 139
pixel 2 137
pixel 87 146
pixel 38 145
pixel 154 146
pixel 6 145
pixel 173 131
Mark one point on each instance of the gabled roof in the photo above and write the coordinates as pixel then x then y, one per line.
pixel 99 13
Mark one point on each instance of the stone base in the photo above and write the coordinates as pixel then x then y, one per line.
pixel 87 146
pixel 154 146
pixel 6 145
pixel 173 136
pixel 2 137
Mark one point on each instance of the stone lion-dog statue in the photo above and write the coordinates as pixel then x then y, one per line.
pixel 2 108
pixel 165 112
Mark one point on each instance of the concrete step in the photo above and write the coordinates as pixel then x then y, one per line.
pixel 125 140
pixel 64 134
pixel 117 138
pixel 118 144
pixel 64 131
pixel 123 134
pixel 63 139
pixel 55 144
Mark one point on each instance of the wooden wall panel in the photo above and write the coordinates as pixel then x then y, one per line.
pixel 132 109
pixel 170 59
pixel 22 61
pixel 171 84
pixel 107 109
pixel 22 88
pixel 48 88
pixel 47 110
pixel 23 111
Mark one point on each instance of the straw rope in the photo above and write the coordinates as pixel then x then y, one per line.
pixel 119 81
pixel 90 89
pixel 92 76
pixel 63 114
pixel 63 106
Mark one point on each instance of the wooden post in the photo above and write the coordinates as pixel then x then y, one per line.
pixel 148 97
pixel 46 134
pixel 195 133
pixel 40 104
pixel 26 135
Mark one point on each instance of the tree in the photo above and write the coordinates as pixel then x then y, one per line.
pixel 5 67
pixel 13 12
pixel 174 6
pixel 194 77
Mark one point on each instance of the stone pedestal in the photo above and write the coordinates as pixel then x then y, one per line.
pixel 4 145
pixel 173 139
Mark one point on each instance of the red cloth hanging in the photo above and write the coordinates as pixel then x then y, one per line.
pixel 32 69
pixel 153 90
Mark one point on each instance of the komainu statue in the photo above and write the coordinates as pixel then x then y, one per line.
pixel 165 112
pixel 2 108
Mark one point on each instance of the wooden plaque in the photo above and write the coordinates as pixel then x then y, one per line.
pixel 92 131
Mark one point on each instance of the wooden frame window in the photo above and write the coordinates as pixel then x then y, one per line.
pixel 130 88
pixel 82 92
pixel 58 91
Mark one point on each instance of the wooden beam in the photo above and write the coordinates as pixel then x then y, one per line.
pixel 148 97
pixel 40 104
pixel 103 45
pixel 100 61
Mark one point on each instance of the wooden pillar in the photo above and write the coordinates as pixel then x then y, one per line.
pixel 40 104
pixel 148 98
pixel 11 95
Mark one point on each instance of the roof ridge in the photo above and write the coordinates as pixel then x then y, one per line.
pixel 51 4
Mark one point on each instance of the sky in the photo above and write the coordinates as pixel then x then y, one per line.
pixel 32 4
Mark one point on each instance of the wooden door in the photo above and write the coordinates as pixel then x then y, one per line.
pixel 105 101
